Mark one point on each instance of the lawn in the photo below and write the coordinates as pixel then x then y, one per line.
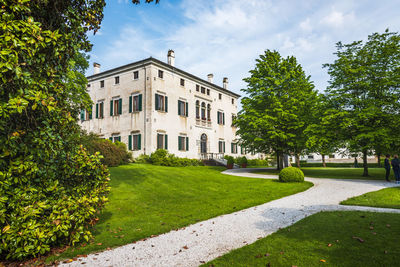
pixel 339 173
pixel 325 239
pixel 384 198
pixel 148 200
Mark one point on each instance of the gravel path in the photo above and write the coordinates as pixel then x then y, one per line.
pixel 204 241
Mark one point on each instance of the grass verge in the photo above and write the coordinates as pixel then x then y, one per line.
pixel 148 200
pixel 384 198
pixel 327 238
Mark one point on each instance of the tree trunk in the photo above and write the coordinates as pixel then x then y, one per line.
pixel 379 159
pixel 277 160
pixel 323 160
pixel 297 156
pixel 280 158
pixel 365 174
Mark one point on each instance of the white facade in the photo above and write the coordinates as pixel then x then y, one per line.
pixel 150 92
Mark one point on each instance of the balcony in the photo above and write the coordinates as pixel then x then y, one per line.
pixel 203 123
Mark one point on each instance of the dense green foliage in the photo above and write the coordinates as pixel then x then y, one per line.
pixel 148 200
pixel 50 188
pixel 163 158
pixel 384 198
pixel 363 95
pixel 291 174
pixel 278 107
pixel 114 154
pixel 325 239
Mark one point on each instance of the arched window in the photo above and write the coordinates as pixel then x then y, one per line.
pixel 197 109
pixel 203 111
pixel 209 112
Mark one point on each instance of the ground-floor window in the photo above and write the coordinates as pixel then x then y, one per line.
pixel 234 148
pixel 135 142
pixel 115 138
pixel 162 141
pixel 221 146
pixel 183 143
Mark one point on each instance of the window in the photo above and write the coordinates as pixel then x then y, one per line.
pixel 221 118
pixel 197 109
pixel 242 150
pixel 161 103
pixel 116 107
pixel 182 82
pixel 135 103
pixel 332 156
pixel 102 84
pixel 100 110
pixel 221 146
pixel 197 88
pixel 233 119
pixel 233 101
pixel 86 115
pixel 310 156
pixel 136 75
pixel 116 80
pixel 135 141
pixel 203 111
pixel 208 91
pixel 162 141
pixel 115 138
pixel 220 96
pixel 234 148
pixel 160 74
pixel 183 108
pixel 203 90
pixel 209 112
pixel 183 143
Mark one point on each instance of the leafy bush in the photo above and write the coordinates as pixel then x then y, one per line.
pixel 241 160
pixel 142 159
pixel 114 154
pixel 291 174
pixel 257 162
pixel 163 158
pixel 230 160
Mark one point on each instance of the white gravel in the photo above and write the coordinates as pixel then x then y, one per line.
pixel 204 241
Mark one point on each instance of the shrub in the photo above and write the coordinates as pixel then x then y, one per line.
pixel 291 174
pixel 257 162
pixel 142 159
pixel 230 160
pixel 163 158
pixel 242 160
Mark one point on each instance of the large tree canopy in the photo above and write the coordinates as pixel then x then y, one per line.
pixel 364 92
pixel 278 106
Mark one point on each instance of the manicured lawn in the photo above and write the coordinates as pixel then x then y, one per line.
pixel 384 198
pixel 148 200
pixel 325 239
pixel 339 173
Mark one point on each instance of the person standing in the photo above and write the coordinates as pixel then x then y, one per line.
pixel 387 166
pixel 396 168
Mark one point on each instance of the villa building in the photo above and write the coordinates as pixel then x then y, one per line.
pixel 150 104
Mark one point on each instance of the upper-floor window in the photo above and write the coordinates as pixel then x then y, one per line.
pixel 197 88
pixel 116 80
pixel 221 146
pixel 100 110
pixel 220 96
pixel 197 109
pixel 203 90
pixel 162 141
pixel 182 82
pixel 234 148
pixel 161 103
pixel 203 111
pixel 233 101
pixel 116 107
pixel 102 84
pixel 208 91
pixel 209 112
pixel 135 103
pixel 183 108
pixel 160 74
pixel 135 141
pixel 136 75
pixel 221 118
pixel 183 143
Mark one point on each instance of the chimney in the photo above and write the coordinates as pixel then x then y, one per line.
pixel 210 77
pixel 225 83
pixel 96 68
pixel 171 57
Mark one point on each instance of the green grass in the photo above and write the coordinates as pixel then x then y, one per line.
pixel 384 198
pixel 148 200
pixel 339 173
pixel 326 236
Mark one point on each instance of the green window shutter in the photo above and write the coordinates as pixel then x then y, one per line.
pixel 218 117
pixel 110 138
pixel 130 142
pixel 166 142
pixel 187 143
pixel 119 138
pixel 231 147
pixel 223 119
pixel 219 146
pixel 223 144
pixel 82 115
pixel 97 111
pixel 91 114
pixel 120 106
pixel 140 102
pixel 179 107
pixel 187 109
pixel 179 143
pixel 130 104
pixel 111 108
pixel 158 141
pixel 166 103
pixel 139 141
pixel 157 104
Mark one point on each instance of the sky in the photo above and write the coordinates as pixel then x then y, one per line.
pixel 226 37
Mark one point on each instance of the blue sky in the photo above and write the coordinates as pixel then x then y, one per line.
pixel 225 37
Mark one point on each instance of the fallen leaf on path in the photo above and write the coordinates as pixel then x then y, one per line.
pixel 185 247
pixel 359 239
pixel 329 245
pixel 322 260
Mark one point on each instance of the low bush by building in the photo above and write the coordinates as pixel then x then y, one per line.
pixel 163 158
pixel 291 174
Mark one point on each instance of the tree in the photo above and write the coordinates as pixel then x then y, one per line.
pixel 364 85
pixel 276 110
pixel 50 187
